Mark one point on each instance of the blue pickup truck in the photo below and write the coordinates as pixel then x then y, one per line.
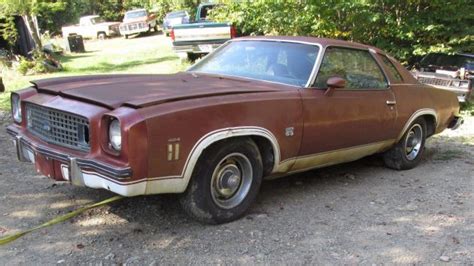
pixel 202 36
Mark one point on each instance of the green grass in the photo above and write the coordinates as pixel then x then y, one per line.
pixel 467 108
pixel 143 54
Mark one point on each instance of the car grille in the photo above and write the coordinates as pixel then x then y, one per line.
pixel 133 26
pixel 443 82
pixel 435 81
pixel 58 127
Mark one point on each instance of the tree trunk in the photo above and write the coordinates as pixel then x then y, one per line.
pixel 33 30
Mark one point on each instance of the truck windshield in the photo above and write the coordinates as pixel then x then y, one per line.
pixel 283 62
pixel 176 14
pixel 135 14
pixel 97 20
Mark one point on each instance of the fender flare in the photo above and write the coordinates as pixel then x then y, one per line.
pixel 414 116
pixel 179 183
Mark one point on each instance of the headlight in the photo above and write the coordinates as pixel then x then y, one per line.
pixel 16 108
pixel 115 134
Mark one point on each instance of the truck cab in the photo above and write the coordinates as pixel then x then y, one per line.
pixel 202 36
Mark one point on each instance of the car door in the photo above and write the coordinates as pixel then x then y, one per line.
pixel 347 123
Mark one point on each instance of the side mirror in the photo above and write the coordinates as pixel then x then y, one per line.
pixel 334 83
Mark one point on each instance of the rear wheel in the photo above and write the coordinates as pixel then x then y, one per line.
pixel 126 36
pixel 407 153
pixel 101 36
pixel 224 183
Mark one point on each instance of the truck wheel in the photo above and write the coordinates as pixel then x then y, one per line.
pixel 406 154
pixel 125 36
pixel 225 182
pixel 192 57
pixel 101 36
pixel 156 28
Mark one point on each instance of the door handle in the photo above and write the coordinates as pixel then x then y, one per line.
pixel 391 102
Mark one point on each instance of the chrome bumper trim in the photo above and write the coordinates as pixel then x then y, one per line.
pixel 21 142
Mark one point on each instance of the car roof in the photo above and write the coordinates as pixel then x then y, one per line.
pixel 177 12
pixel 313 40
pixel 468 55
pixel 136 10
pixel 91 16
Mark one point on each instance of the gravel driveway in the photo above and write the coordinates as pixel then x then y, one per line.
pixel 359 212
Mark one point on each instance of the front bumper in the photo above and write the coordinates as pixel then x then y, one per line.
pixel 135 31
pixel 76 170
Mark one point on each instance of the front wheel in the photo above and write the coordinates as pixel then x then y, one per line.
pixel 225 182
pixel 193 57
pixel 407 153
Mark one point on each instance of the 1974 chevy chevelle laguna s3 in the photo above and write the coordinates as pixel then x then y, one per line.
pixel 256 107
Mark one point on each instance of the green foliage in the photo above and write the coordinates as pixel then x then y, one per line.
pixel 8 30
pixel 404 28
pixel 52 15
pixel 467 108
pixel 38 64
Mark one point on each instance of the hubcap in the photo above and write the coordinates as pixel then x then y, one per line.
pixel 231 180
pixel 413 142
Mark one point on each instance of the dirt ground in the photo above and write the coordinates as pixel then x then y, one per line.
pixel 359 212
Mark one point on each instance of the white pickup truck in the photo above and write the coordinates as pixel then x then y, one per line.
pixel 138 21
pixel 92 27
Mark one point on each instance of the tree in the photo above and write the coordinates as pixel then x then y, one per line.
pixel 404 28
pixel 25 8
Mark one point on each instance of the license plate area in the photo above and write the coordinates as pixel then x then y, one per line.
pixel 207 48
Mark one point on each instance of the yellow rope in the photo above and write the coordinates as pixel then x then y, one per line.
pixel 9 238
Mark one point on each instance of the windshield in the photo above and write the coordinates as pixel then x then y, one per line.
pixel 282 62
pixel 135 14
pixel 176 14
pixel 97 20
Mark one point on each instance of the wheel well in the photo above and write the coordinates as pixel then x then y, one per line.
pixel 430 124
pixel 266 152
pixel 265 148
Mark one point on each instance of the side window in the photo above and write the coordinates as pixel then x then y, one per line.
pixel 391 68
pixel 357 67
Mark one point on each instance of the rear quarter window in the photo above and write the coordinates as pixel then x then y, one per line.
pixel 391 68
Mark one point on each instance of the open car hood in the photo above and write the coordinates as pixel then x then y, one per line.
pixel 137 91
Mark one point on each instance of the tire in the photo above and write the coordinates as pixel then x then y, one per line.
pixel 214 194
pixel 407 153
pixel 192 57
pixel 156 28
pixel 101 36
pixel 125 36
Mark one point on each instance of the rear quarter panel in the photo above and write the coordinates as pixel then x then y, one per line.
pixel 414 97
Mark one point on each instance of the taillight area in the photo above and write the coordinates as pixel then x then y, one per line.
pixel 233 32
pixel 172 35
